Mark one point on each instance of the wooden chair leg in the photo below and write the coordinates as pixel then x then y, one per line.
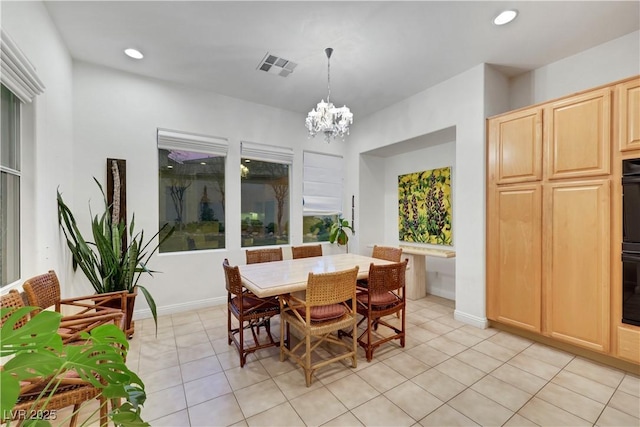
pixel 354 341
pixel 241 340
pixel 307 367
pixel 283 339
pixel 288 337
pixel 229 333
pixel 369 346
pixel 74 417
pixel 104 411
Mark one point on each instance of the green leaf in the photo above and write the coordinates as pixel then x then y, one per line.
pixel 39 332
pixel 33 364
pixel 111 335
pixel 127 415
pixel 36 423
pixel 94 360
pixel 102 355
pixel 152 304
pixel 334 233
pixel 10 387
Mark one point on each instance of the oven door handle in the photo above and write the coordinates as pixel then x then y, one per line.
pixel 634 257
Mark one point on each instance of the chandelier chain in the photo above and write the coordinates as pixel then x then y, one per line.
pixel 329 78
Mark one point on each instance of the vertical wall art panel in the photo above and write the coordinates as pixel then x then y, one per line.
pixel 117 193
pixel 424 206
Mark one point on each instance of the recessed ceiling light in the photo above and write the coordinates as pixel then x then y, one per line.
pixel 505 17
pixel 134 53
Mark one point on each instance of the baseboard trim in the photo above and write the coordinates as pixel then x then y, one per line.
pixel 606 359
pixel 469 319
pixel 180 308
pixel 442 293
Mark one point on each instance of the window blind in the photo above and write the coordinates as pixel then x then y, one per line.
pixel 322 185
pixel 269 153
pixel 17 73
pixel 176 140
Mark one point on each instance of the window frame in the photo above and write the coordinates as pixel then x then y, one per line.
pixel 269 154
pixel 318 193
pixel 20 78
pixel 14 170
pixel 194 143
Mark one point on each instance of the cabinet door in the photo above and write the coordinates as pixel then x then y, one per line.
pixel 515 144
pixel 577 262
pixel 629 115
pixel 629 344
pixel 578 135
pixel 514 255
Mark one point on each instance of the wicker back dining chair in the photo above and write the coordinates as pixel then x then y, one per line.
pixel 306 251
pixel 328 307
pixel 250 312
pixel 71 389
pixel 388 253
pixel 255 256
pixel 81 314
pixel 13 299
pixel 384 296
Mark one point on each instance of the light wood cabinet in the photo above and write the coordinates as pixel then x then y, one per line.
pixel 554 218
pixel 628 347
pixel 516 225
pixel 629 114
pixel 577 263
pixel 578 135
pixel 517 148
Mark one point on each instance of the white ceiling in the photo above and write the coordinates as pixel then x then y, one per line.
pixel 383 51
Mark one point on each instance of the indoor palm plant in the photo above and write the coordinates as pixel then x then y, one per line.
pixel 108 265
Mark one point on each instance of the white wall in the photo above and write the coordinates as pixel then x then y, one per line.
pixel 116 115
pixel 47 156
pixel 457 102
pixel 440 272
pixel 600 65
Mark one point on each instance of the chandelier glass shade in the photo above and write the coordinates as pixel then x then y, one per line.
pixel 326 118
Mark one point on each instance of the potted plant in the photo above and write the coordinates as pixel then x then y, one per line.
pixel 338 232
pixel 37 351
pixel 108 265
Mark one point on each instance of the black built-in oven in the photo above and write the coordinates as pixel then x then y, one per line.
pixel 631 241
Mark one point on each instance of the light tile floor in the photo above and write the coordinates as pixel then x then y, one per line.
pixel 448 374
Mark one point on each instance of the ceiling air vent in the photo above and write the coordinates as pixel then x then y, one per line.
pixel 275 65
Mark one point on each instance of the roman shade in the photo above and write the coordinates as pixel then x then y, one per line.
pixel 18 75
pixel 267 153
pixel 322 186
pixel 184 141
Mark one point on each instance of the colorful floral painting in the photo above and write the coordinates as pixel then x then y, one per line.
pixel 424 200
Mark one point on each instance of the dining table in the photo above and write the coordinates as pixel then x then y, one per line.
pixel 283 277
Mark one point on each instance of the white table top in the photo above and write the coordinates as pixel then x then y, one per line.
pixel 282 277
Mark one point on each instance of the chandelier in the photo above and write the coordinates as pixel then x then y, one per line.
pixel 326 118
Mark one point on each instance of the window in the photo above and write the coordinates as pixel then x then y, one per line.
pixel 264 172
pixel 10 187
pixel 19 85
pixel 191 190
pixel 322 195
